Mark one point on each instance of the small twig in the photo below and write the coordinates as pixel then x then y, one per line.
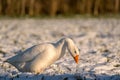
pixel 2 52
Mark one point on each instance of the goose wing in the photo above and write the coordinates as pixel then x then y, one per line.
pixel 27 55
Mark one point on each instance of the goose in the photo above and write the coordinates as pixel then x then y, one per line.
pixel 36 58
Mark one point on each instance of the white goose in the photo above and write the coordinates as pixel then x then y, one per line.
pixel 38 57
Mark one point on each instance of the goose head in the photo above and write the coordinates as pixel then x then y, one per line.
pixel 73 49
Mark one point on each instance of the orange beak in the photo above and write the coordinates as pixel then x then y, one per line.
pixel 76 58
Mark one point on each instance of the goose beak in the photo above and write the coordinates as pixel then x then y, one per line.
pixel 76 58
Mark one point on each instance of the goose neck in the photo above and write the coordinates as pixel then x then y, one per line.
pixel 61 47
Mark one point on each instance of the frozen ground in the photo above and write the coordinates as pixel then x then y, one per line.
pixel 98 40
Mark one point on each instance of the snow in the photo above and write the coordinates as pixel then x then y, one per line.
pixel 98 40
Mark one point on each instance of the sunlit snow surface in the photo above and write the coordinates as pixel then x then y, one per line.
pixel 98 40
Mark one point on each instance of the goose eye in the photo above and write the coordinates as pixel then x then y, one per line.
pixel 75 52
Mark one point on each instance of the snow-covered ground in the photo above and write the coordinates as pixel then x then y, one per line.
pixel 98 40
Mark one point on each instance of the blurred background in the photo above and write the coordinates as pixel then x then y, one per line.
pixel 58 7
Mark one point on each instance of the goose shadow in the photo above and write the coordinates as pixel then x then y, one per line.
pixel 76 76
